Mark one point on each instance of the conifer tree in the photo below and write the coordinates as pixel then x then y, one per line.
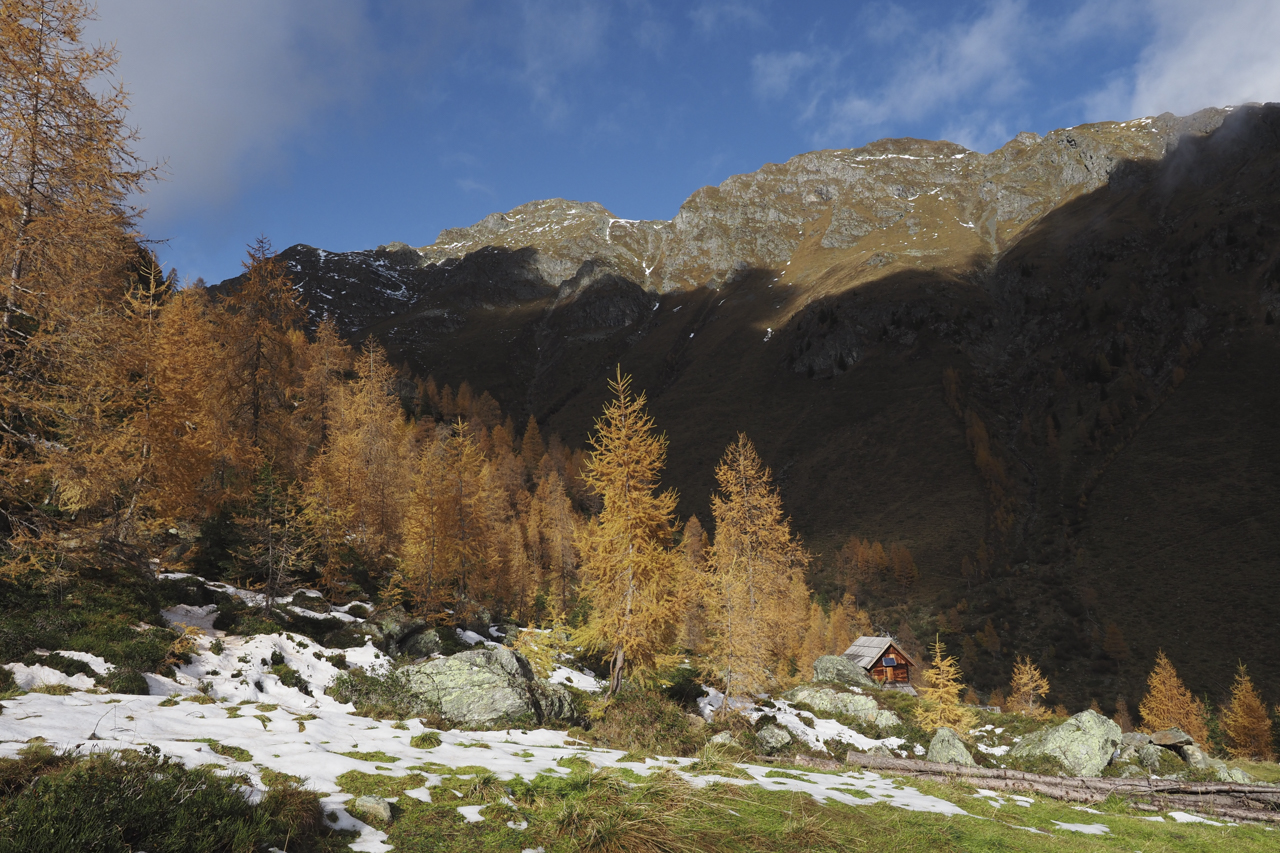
pixel 554 523
pixel 1027 688
pixel 1170 704
pixel 1246 722
pixel 752 565
pixel 940 697
pixel 628 570
pixel 258 370
pixel 531 446
pixel 274 546
pixel 1122 717
pixel 68 167
pixel 357 486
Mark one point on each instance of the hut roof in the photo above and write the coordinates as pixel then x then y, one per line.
pixel 866 651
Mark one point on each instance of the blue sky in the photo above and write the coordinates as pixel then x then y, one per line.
pixel 350 123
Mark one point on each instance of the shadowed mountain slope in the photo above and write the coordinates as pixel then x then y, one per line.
pixel 1055 364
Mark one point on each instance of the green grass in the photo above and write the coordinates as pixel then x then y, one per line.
pixel 360 784
pixel 234 752
pixel 607 810
pixel 376 755
pixel 425 740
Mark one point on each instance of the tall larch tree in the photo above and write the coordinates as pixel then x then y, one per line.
pixel 1246 722
pixel 67 170
pixel 628 571
pixel 751 566
pixel 940 697
pixel 259 374
pixel 359 483
pixel 1170 704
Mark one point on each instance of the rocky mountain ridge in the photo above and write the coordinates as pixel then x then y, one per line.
pixel 1049 371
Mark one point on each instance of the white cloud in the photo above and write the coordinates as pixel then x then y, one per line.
pixel 773 74
pixel 940 69
pixel 1206 55
pixel 711 17
pixel 219 90
pixel 556 38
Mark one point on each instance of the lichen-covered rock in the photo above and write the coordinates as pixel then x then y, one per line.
pixel 1172 738
pixel 947 748
pixel 371 806
pixel 773 738
pixel 1084 744
pixel 487 687
pixel 828 701
pixel 1149 756
pixel 423 644
pixel 841 670
pixel 724 739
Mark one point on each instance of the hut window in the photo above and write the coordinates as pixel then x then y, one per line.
pixel 890 660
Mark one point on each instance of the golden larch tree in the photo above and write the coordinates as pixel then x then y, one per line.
pixel 1027 687
pixel 751 567
pixel 628 571
pixel 357 487
pixel 940 697
pixel 1169 704
pixel 1246 722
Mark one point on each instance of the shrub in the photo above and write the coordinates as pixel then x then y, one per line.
pixel 645 721
pixel 128 681
pixel 123 802
pixel 290 677
pixel 381 695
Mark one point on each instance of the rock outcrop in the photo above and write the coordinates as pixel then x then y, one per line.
pixel 1084 744
pixel 841 670
pixel 947 748
pixel 488 687
pixel 828 701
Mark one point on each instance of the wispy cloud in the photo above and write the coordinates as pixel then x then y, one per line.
pixel 713 16
pixel 556 39
pixel 468 185
pixel 976 59
pixel 1201 55
pixel 219 90
pixel 774 74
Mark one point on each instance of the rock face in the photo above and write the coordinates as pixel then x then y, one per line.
pixel 828 701
pixel 773 738
pixel 947 748
pixel 841 670
pixel 1149 756
pixel 488 687
pixel 1084 744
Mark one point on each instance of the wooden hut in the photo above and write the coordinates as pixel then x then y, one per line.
pixel 882 658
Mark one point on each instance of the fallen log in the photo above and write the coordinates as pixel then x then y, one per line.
pixel 1237 801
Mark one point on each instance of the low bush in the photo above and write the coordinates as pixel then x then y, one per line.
pixel 123 802
pixel 128 681
pixel 647 722
pixel 382 695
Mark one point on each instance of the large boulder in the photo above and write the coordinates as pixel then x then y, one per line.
pixel 841 670
pixel 947 748
pixel 1084 744
pixel 487 687
pixel 825 700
